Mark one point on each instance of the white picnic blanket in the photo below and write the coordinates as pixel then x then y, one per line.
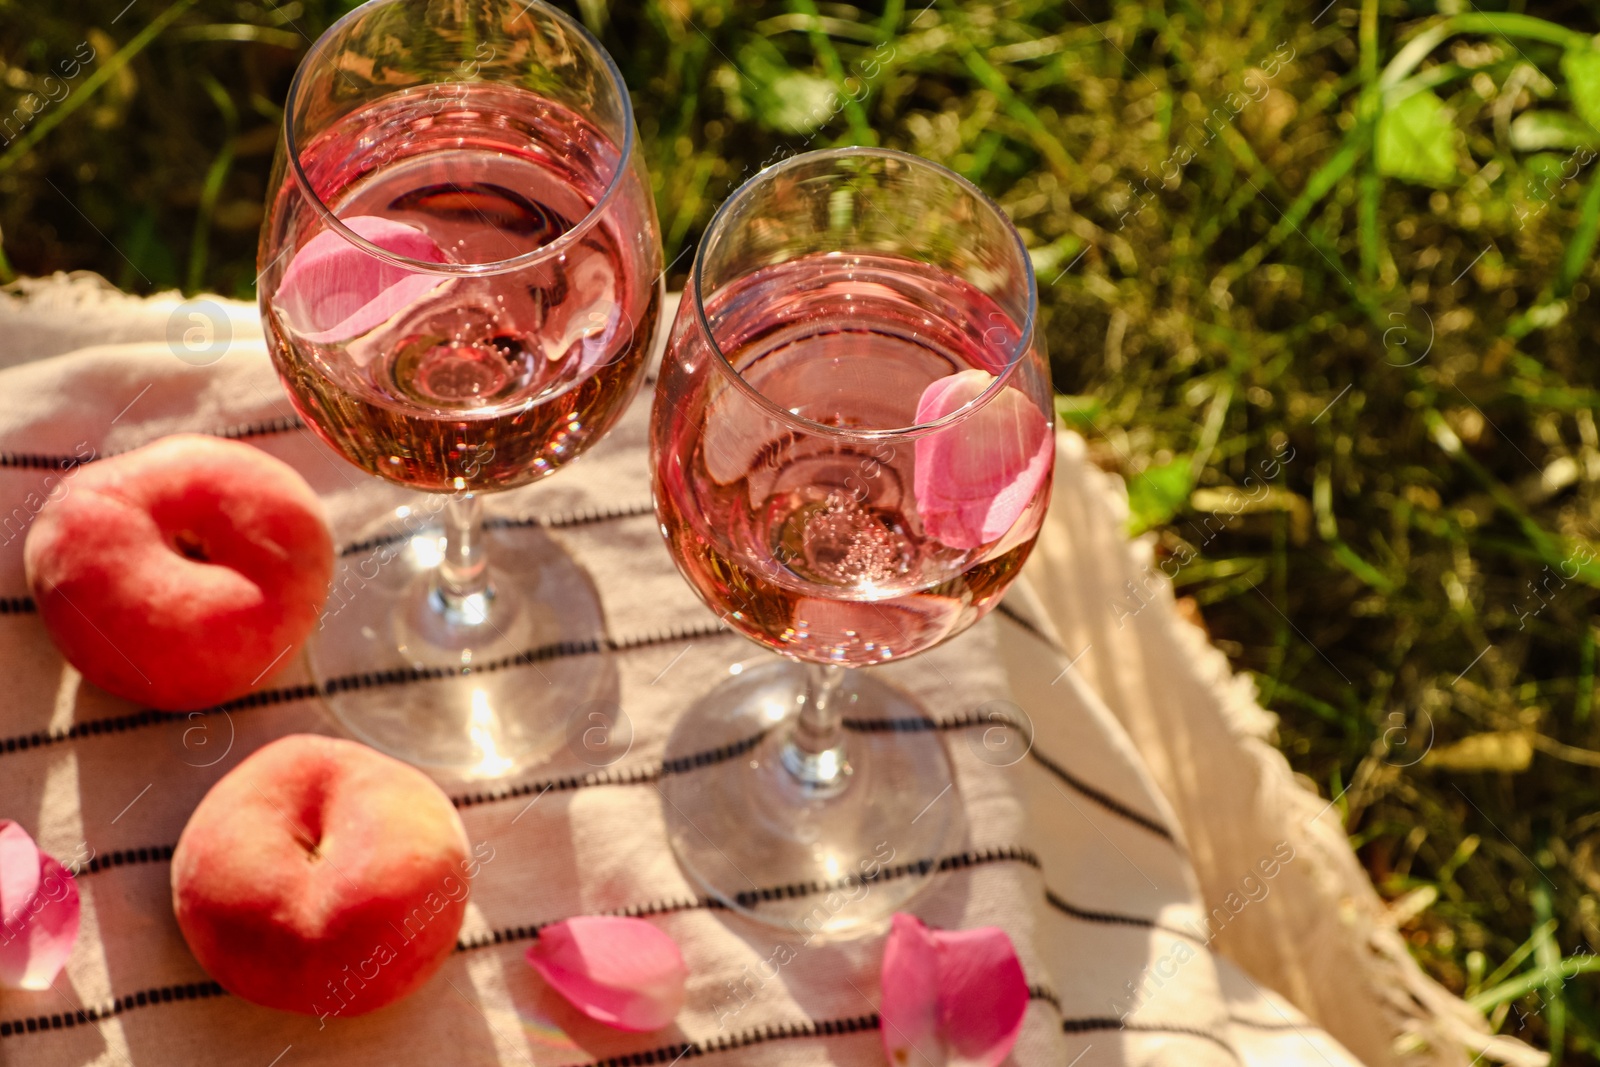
pixel 1176 897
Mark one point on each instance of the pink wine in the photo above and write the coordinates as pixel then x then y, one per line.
pixel 456 381
pixel 812 542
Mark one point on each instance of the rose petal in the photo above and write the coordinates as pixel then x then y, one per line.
pixel 982 995
pixel 335 290
pixel 622 972
pixel 19 874
pixel 950 998
pixel 975 479
pixel 38 937
pixel 910 980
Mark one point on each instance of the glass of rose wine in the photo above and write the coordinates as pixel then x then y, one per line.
pixel 852 443
pixel 460 281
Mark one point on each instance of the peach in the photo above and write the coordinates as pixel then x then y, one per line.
pixel 177 575
pixel 322 877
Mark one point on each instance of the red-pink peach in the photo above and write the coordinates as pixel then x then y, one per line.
pixel 322 877
pixel 179 574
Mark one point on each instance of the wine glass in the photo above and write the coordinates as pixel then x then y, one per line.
pixel 460 281
pixel 852 442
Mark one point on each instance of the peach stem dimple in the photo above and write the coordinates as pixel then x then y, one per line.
pixel 189 545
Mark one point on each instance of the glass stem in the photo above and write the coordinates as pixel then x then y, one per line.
pixel 814 751
pixel 461 584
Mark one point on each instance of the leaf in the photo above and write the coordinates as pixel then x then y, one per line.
pixel 1534 131
pixel 1582 69
pixel 799 103
pixel 1156 493
pixel 1078 412
pixel 1417 141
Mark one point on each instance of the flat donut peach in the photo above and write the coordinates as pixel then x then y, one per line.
pixel 322 877
pixel 179 574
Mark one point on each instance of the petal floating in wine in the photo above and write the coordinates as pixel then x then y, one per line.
pixel 623 972
pixel 974 479
pixel 335 290
pixel 950 998
pixel 39 904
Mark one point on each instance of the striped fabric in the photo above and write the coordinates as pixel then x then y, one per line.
pixel 1071 849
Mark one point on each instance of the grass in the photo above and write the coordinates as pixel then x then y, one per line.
pixel 1319 286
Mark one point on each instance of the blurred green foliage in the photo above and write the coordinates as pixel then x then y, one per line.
pixel 1317 283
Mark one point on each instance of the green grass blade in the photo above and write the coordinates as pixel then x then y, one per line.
pixel 92 84
pixel 861 131
pixel 1526 983
pixel 1581 246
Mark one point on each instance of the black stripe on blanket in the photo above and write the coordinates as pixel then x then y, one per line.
pixel 668 1054
pixel 669 906
pixel 1027 624
pixel 371 680
pixel 84 1016
pixel 31 461
pixel 24 605
pixel 1118 919
pixel 1268 1027
pixel 645 775
pixel 38 462
pixel 744 1039
pixel 960 861
pixel 771 1032
pixel 1010 853
pixel 1105 800
pixel 1100 1024
pixel 132 857
pixel 586 517
pixel 125 857
pixel 631 776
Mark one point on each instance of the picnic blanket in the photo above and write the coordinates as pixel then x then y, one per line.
pixel 1176 896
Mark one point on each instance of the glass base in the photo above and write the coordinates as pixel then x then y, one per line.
pixel 835 861
pixel 470 690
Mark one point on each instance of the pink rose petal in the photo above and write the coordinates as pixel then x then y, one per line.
pixel 975 479
pixel 41 926
pixel 982 995
pixel 19 873
pixel 950 998
pixel 910 980
pixel 622 972
pixel 335 290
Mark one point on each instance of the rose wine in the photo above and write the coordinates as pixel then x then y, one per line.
pixel 461 381
pixel 817 543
